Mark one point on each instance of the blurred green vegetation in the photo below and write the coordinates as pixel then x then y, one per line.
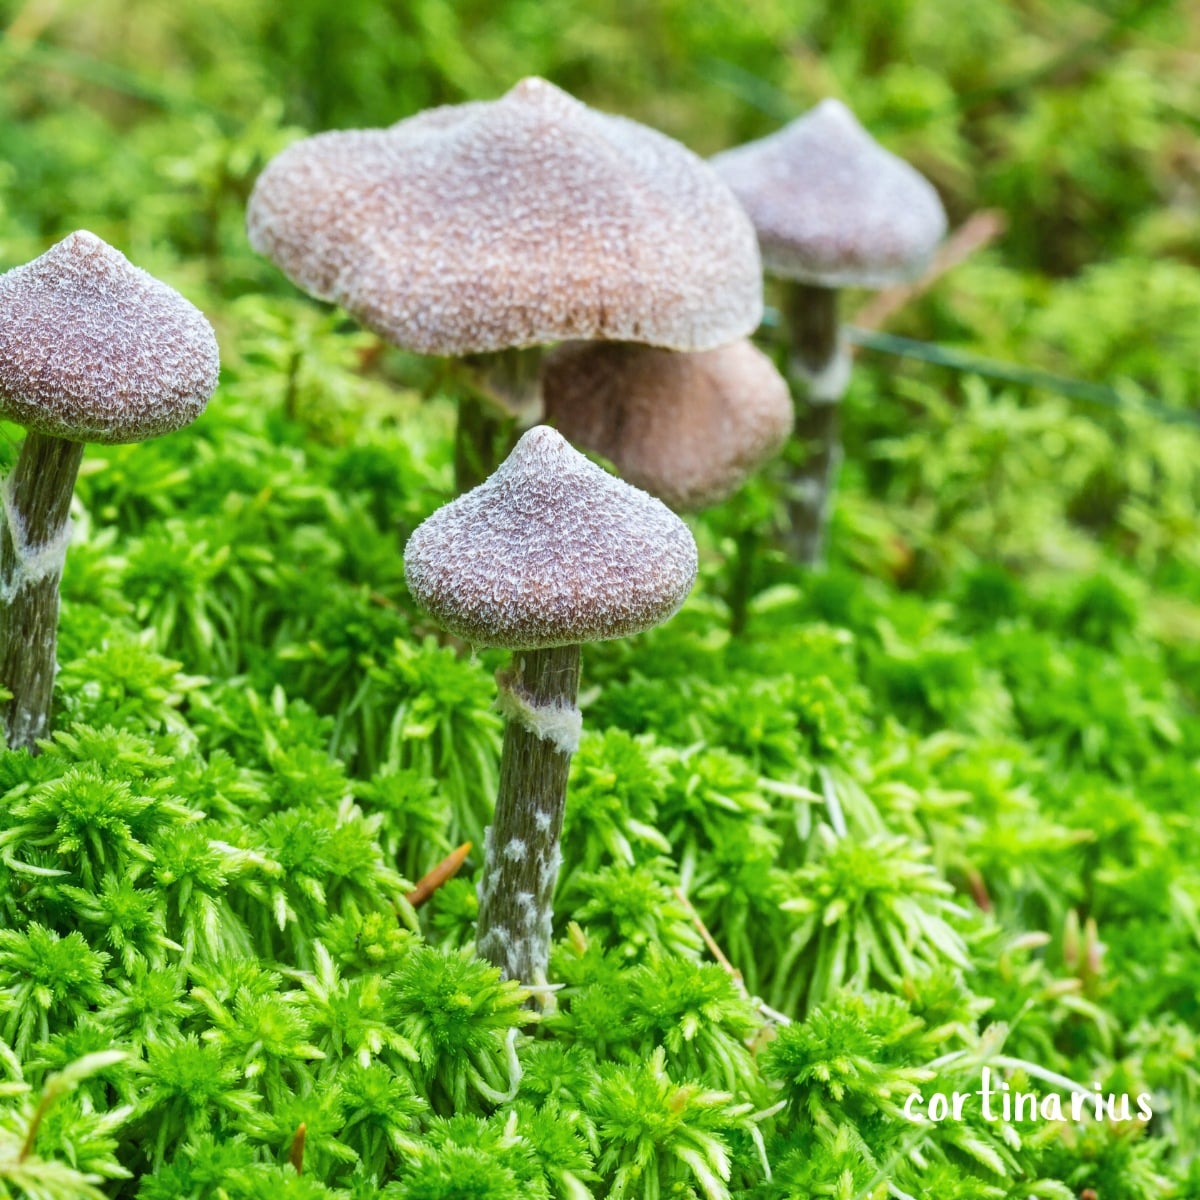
pixel 938 804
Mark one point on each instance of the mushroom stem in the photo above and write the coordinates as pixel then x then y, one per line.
pixel 34 532
pixel 819 355
pixel 811 313
pixel 503 387
pixel 521 847
pixel 477 438
pixel 511 379
pixel 811 485
pixel 746 551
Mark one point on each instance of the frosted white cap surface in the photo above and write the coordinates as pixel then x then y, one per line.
pixel 831 206
pixel 93 349
pixel 551 550
pixel 514 222
pixel 689 428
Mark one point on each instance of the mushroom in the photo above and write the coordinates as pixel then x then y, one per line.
pixel 832 209
pixel 689 428
pixel 549 552
pixel 489 228
pixel 92 349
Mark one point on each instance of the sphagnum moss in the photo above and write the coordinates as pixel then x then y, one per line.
pixel 1009 717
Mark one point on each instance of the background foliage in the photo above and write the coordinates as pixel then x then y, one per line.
pixel 937 805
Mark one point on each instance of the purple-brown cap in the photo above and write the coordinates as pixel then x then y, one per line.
pixel 689 428
pixel 93 349
pixel 514 222
pixel 550 551
pixel 831 206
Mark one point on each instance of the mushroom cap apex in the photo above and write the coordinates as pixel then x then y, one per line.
pixel 535 88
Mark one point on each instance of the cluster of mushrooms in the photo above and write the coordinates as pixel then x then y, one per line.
pixel 488 232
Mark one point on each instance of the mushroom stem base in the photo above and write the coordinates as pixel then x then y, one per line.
pixel 34 532
pixel 521 847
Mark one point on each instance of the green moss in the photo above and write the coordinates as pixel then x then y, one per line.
pixel 936 805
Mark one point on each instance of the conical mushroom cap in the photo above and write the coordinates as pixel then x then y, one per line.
pixel 550 551
pixel 689 428
pixel 831 206
pixel 93 349
pixel 514 222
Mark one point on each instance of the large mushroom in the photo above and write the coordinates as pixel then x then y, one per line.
pixel 832 209
pixel 92 349
pixel 488 228
pixel 549 552
pixel 688 428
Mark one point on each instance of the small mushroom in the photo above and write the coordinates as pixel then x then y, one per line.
pixel 549 552
pixel 832 209
pixel 689 428
pixel 92 349
pixel 488 228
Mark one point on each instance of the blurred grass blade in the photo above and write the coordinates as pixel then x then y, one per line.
pixel 1074 389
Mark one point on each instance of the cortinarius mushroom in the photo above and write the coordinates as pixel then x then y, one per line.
pixel 689 428
pixel 492 226
pixel 549 552
pixel 92 349
pixel 832 209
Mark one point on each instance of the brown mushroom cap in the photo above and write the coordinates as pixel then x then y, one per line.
pixel 832 207
pixel 509 223
pixel 550 551
pixel 93 349
pixel 689 428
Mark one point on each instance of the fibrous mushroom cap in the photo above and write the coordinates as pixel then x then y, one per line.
pixel 93 349
pixel 551 550
pixel 832 207
pixel 688 428
pixel 514 222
